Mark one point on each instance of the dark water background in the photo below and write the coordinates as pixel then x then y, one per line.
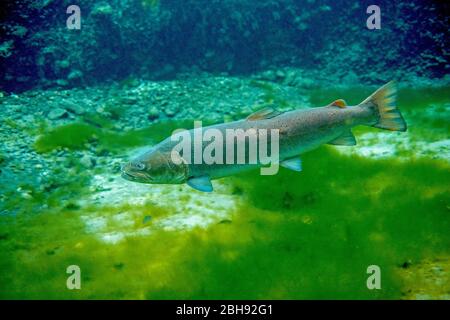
pixel 155 39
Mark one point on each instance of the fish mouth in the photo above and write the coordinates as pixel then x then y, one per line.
pixel 134 178
pixel 127 176
pixel 125 173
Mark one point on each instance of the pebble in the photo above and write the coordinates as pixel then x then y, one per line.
pixel 57 113
pixel 153 113
pixel 87 161
pixel 129 100
pixel 169 112
pixel 75 108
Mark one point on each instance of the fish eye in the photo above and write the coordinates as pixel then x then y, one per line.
pixel 140 166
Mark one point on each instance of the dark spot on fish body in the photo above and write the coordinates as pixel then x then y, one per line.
pixel 225 221
pixel 4 236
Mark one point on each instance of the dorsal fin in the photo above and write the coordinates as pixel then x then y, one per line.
pixel 265 113
pixel 338 103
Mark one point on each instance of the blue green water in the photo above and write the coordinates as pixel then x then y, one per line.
pixel 77 104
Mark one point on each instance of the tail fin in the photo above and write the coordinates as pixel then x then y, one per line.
pixel 390 117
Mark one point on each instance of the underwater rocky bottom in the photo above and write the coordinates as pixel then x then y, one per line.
pixel 308 235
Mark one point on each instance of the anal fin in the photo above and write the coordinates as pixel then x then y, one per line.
pixel 345 139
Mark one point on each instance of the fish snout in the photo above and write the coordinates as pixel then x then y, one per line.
pixel 126 171
pixel 135 171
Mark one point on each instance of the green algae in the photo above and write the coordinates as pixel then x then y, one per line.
pixel 299 235
pixel 73 136
pixel 78 136
pixel 354 211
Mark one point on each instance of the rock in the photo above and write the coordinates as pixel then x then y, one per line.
pixel 87 161
pixel 100 110
pixel 19 31
pixel 29 118
pixel 153 113
pixel 63 64
pixel 74 108
pixel 57 113
pixel 61 82
pixel 129 100
pixel 25 194
pixel 102 9
pixel 280 74
pixel 170 112
pixel 75 74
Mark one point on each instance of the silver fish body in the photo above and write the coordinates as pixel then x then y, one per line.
pixel 299 131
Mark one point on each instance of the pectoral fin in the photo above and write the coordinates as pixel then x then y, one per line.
pixel 265 113
pixel 345 139
pixel 202 183
pixel 292 164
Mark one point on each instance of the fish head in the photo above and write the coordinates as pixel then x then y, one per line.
pixel 155 167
